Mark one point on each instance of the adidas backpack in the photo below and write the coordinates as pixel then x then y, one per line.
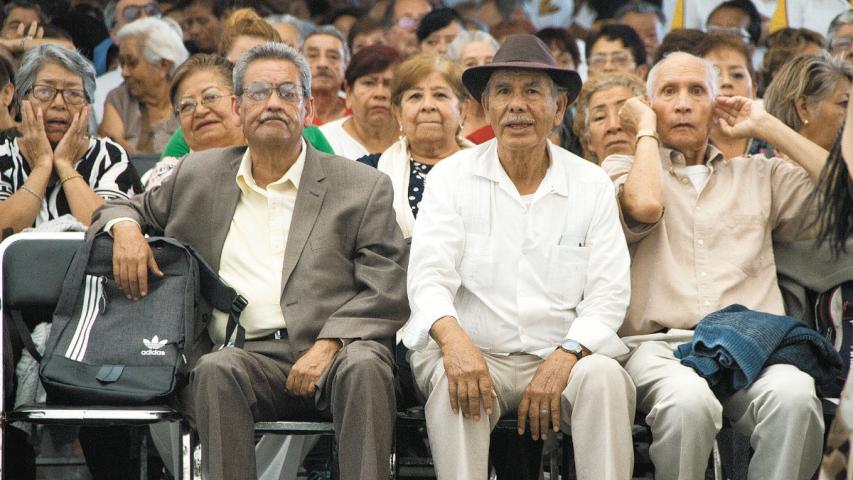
pixel 106 349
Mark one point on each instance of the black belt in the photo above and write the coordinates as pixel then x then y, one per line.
pixel 280 334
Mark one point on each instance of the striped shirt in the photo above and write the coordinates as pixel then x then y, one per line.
pixel 105 167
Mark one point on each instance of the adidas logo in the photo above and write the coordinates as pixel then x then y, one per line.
pixel 154 345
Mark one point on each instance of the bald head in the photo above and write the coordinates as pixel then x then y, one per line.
pixel 676 61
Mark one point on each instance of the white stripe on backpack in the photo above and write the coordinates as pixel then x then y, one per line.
pixel 92 293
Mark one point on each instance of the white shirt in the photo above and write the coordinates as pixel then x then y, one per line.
pixel 253 253
pixel 342 142
pixel 697 175
pixel 104 85
pixel 519 279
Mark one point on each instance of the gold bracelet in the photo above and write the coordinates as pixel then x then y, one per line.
pixel 69 177
pixel 32 192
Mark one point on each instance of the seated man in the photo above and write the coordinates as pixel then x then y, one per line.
pixel 519 274
pixel 701 229
pixel 312 242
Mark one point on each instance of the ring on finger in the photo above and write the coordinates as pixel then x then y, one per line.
pixel 545 412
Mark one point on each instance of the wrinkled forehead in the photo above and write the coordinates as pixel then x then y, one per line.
pixel 612 95
pixel 682 70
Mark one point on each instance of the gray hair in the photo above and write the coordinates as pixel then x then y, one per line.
pixel 35 58
pixel 302 26
pixel 454 50
pixel 713 75
pixel 843 18
pixel 110 14
pixel 272 51
pixel 161 40
pixel 813 76
pixel 331 30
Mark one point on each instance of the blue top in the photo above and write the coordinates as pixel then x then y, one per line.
pixel 99 55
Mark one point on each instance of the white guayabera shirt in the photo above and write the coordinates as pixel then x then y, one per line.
pixel 519 276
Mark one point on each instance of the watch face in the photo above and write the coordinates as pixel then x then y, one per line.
pixel 571 346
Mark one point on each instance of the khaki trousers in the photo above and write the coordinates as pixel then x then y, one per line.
pixel 597 408
pixel 779 412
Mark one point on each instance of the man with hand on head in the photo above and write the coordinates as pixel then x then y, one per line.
pixel 312 242
pixel 701 229
pixel 518 282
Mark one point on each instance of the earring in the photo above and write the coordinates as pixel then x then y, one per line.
pixel 805 122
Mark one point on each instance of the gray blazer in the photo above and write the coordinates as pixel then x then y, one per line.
pixel 344 263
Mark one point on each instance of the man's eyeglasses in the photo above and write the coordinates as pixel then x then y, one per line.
pixel 260 91
pixel 735 31
pixel 618 59
pixel 840 44
pixel 46 94
pixel 187 106
pixel 133 12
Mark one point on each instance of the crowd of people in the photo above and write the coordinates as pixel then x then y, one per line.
pixel 489 209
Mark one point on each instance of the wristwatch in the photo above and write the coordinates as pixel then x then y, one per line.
pixel 647 132
pixel 573 347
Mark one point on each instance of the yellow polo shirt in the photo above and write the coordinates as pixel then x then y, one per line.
pixel 253 253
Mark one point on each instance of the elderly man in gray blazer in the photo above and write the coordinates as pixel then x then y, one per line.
pixel 311 241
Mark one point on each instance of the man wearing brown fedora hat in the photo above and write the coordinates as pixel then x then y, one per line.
pixel 518 282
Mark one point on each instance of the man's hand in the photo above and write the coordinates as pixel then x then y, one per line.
pixel 541 400
pixel 34 144
pixel 310 366
pixel 739 117
pixel 132 257
pixel 73 144
pixel 468 379
pixel 635 114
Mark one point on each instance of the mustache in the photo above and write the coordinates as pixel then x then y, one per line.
pixel 324 72
pixel 273 116
pixel 517 119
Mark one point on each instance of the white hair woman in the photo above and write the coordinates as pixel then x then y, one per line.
pixel 472 49
pixel 52 167
pixel 138 114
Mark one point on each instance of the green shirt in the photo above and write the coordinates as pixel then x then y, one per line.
pixel 177 146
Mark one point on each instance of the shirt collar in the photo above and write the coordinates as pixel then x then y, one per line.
pixel 671 158
pixel 489 166
pixel 245 180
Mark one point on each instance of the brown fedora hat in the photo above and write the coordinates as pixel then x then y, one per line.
pixel 526 52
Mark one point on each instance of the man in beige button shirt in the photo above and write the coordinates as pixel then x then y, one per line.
pixel 312 242
pixel 700 230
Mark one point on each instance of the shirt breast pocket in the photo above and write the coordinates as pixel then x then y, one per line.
pixel 476 267
pixel 567 270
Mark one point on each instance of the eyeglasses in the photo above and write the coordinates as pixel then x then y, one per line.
pixel 187 106
pixel 260 91
pixel 408 23
pixel 735 31
pixel 840 44
pixel 619 59
pixel 133 12
pixel 46 94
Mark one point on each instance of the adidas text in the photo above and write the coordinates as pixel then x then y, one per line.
pixel 153 352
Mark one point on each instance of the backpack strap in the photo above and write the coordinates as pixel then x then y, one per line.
pixel 221 297
pixel 18 327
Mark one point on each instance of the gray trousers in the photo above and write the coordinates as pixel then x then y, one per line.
pixel 231 389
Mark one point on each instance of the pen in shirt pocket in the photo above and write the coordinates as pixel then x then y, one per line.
pixel 572 241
